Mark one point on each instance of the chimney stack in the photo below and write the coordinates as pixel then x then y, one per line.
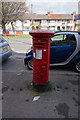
pixel 74 13
pixel 48 13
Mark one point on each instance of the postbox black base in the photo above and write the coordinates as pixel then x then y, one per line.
pixel 42 87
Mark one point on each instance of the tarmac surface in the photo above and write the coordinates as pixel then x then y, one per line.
pixel 61 101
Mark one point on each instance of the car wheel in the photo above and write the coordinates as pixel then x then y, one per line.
pixel 77 66
pixel 30 64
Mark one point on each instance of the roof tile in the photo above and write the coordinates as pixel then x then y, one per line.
pixel 45 16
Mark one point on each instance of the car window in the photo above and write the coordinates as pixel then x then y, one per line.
pixel 65 39
pixel 71 40
pixel 57 38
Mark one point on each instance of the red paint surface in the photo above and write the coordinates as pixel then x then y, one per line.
pixel 19 32
pixel 41 41
pixel 7 32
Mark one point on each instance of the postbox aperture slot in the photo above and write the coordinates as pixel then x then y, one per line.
pixel 39 43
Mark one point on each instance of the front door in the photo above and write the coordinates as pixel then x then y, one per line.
pixel 62 47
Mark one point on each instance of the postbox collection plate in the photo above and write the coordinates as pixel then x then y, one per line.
pixel 39 54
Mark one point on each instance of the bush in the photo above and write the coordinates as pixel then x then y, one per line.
pixel 33 28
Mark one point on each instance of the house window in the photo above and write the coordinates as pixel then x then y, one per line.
pixel 44 27
pixel 79 28
pixel 18 28
pixel 52 21
pixel 63 27
pixel 76 28
pixel 63 21
pixel 77 21
pixel 37 21
pixel 26 28
pixel 0 28
pixel 58 21
pixel 68 21
pixel 18 23
pixel 69 28
pixel 44 21
pixel 33 21
pixel 58 28
pixel 26 21
pixel 52 28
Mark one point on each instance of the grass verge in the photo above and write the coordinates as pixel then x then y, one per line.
pixel 16 36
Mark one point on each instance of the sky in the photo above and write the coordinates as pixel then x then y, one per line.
pixel 54 6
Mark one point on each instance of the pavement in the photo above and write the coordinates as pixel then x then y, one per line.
pixel 61 101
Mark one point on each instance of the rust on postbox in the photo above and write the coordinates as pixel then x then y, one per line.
pixel 41 55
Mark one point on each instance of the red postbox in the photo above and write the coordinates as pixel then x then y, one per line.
pixel 41 54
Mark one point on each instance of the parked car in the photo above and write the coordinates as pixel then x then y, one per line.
pixel 64 50
pixel 5 50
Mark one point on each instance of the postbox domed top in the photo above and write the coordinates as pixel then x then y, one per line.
pixel 41 33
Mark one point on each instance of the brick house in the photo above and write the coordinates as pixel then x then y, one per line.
pixel 77 22
pixel 44 21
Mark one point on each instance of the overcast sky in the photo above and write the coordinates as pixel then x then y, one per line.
pixel 54 6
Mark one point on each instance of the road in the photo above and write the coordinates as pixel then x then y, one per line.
pixel 61 101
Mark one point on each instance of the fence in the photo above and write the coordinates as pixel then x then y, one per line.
pixel 17 32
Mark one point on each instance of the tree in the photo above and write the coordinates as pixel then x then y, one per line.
pixel 39 27
pixel 33 28
pixel 11 11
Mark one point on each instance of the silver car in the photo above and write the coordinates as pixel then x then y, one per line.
pixel 5 50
